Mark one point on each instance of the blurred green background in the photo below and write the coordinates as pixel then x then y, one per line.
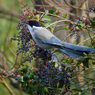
pixel 9 17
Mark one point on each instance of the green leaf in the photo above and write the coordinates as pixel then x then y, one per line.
pixel 59 89
pixel 77 93
pixel 27 89
pixel 83 93
pixel 53 27
pixel 1 67
pixel 25 78
pixel 37 16
pixel 24 70
pixel 57 12
pixel 86 79
pixel 92 22
pixel 46 12
pixel 52 11
pixel 61 29
pixel 58 51
pixel 46 18
pixel 30 17
pixel 77 90
pixel 46 23
pixel 80 24
pixel 65 16
pixel 85 60
pixel 23 84
pixel 94 19
pixel 53 63
pixel 20 79
pixel 58 84
pixel 93 63
pixel 65 61
pixel 45 89
pixel 65 28
pixel 93 43
pixel 77 62
pixel 31 74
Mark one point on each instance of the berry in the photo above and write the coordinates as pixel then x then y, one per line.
pixel 34 82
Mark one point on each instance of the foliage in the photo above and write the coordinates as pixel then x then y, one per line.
pixel 37 72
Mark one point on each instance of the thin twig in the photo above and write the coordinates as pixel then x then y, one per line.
pixel 86 40
pixel 67 36
pixel 10 48
pixel 61 21
pixel 62 11
pixel 3 52
pixel 43 5
pixel 10 90
pixel 75 7
pixel 51 14
pixel 50 6
pixel 41 16
pixel 8 12
pixel 6 17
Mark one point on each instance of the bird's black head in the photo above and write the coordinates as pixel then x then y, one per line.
pixel 34 23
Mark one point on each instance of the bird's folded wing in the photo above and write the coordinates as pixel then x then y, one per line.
pixel 52 41
pixel 43 35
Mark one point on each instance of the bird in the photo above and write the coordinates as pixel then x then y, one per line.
pixel 47 40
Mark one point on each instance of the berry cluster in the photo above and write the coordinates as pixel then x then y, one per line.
pixel 41 53
pixel 92 9
pixel 46 78
pixel 53 77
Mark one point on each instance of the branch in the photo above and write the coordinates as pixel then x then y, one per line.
pixel 50 6
pixel 8 12
pixel 75 7
pixel 61 21
pixel 43 5
pixel 9 18
pixel 10 90
pixel 58 8
pixel 86 40
pixel 10 48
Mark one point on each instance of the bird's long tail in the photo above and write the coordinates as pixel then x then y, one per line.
pixel 75 51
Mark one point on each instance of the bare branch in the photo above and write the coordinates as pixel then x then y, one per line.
pixel 75 7
pixel 8 12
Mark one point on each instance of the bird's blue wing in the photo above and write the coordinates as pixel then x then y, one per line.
pixel 42 35
pixel 52 41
